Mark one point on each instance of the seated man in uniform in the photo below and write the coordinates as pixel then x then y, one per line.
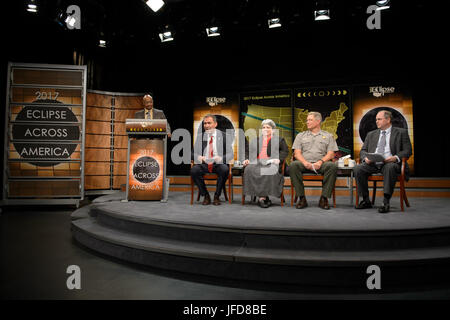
pixel 313 150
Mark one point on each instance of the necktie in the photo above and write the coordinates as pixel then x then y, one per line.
pixel 382 144
pixel 211 154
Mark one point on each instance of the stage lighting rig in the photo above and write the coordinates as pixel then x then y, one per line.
pixel 155 5
pixel 166 35
pixel 213 31
pixel 383 4
pixel 274 20
pixel 322 10
pixel 32 6
pixel 322 15
pixel 274 23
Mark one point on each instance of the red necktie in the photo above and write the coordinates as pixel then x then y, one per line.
pixel 211 154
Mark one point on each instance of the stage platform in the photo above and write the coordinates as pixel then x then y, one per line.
pixel 312 247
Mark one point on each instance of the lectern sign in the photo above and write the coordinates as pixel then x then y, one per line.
pixel 146 169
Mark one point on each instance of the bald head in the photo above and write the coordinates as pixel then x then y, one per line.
pixel 147 101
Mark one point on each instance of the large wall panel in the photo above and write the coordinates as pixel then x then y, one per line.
pixel 44 134
pixel 106 140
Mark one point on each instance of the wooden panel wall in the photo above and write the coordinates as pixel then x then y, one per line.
pixel 125 107
pixel 106 140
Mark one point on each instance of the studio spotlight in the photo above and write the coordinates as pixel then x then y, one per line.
pixel 213 32
pixel 70 21
pixel 322 15
pixel 32 6
pixel 102 43
pixel 274 23
pixel 383 4
pixel 166 35
pixel 155 5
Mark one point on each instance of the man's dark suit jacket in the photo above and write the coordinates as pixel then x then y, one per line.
pixel 399 143
pixel 223 146
pixel 157 114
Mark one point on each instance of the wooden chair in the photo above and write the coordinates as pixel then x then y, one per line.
pixel 379 177
pixel 283 165
pixel 213 176
pixel 311 177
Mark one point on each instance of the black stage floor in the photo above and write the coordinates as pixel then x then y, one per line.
pixel 424 213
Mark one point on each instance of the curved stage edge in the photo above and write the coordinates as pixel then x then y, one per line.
pixel 309 247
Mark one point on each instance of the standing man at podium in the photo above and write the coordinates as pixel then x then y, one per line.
pixel 151 113
pixel 212 153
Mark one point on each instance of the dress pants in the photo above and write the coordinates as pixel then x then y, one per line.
pixel 390 173
pixel 198 170
pixel 328 169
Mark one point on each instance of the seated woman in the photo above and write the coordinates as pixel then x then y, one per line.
pixel 262 177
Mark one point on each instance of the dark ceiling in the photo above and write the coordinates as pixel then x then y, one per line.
pixel 132 23
pixel 247 52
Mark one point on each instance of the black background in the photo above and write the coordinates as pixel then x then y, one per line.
pixel 409 49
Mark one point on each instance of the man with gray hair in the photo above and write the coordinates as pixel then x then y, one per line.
pixel 313 151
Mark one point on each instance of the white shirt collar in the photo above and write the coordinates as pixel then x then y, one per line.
pixel 388 130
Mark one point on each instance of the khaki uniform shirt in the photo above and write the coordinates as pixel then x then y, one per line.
pixel 314 146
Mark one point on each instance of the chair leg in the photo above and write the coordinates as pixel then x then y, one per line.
pixel 374 191
pixel 356 195
pixel 192 191
pixel 405 198
pixel 401 201
pixel 334 197
pixel 402 191
pixel 225 193
pixel 292 195
pixel 230 185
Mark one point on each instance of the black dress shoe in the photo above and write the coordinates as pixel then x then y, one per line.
pixel 268 201
pixel 384 208
pixel 323 203
pixel 364 205
pixel 206 200
pixel 301 203
pixel 263 204
pixel 216 201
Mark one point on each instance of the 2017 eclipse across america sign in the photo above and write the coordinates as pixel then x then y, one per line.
pixel 46 133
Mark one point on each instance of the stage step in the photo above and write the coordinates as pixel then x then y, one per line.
pixel 244 252
pixel 275 237
pixel 289 252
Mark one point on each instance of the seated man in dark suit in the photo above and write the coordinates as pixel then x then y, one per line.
pixel 394 144
pixel 151 113
pixel 211 153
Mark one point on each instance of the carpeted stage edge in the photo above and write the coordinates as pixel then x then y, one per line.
pixel 310 247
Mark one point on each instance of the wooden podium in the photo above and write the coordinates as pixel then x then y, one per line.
pixel 146 159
